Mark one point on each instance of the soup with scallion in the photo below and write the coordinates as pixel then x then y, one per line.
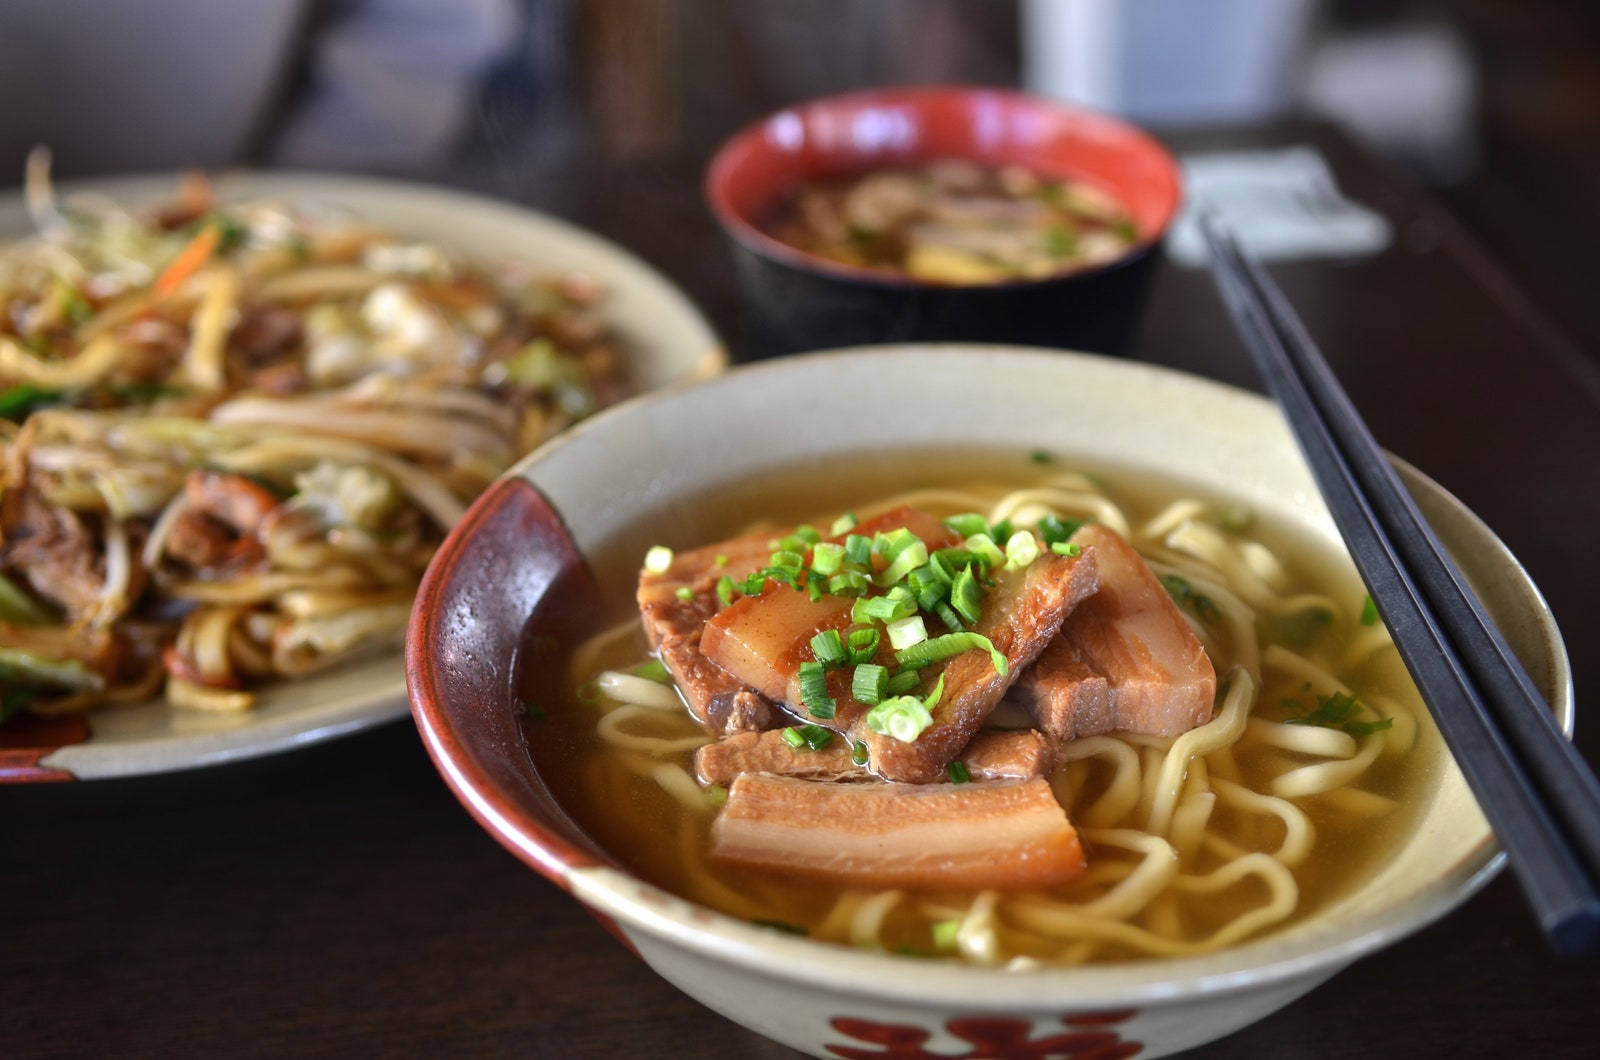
pixel 957 222
pixel 1019 715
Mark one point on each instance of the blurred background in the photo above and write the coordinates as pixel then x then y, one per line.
pixel 1492 105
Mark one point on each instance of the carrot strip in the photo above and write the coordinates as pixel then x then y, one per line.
pixel 188 261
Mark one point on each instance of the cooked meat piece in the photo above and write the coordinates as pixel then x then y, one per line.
pixel 1002 834
pixel 53 551
pixel 763 639
pixel 673 626
pixel 1015 755
pixel 1020 616
pixel 1068 697
pixel 1132 637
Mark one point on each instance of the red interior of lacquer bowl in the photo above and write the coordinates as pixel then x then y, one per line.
pixel 507 577
pixel 851 133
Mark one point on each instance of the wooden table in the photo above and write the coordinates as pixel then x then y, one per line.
pixel 338 901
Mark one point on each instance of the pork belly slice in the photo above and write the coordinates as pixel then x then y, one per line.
pixel 1017 755
pixel 1002 834
pixel 674 627
pixel 762 640
pixel 1021 615
pixel 1125 660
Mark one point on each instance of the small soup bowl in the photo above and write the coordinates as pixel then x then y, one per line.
pixel 524 567
pixel 797 301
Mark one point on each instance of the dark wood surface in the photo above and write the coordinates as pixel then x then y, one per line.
pixel 338 901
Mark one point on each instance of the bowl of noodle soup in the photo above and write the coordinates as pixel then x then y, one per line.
pixel 1312 817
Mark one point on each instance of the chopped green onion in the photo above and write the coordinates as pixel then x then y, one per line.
pixel 1002 530
pixel 902 718
pixel 906 632
pixel 928 652
pixel 889 608
pixel 721 560
pixel 816 589
pixel 869 684
pixel 829 648
pixel 902 683
pixel 908 559
pixel 863 645
pixel 946 935
pixel 1236 517
pixel 792 737
pixel 658 559
pixel 949 562
pixel 859 753
pixel 983 546
pixel 849 583
pixel 814 690
pixel 816 736
pixel 966 597
pixel 1040 456
pixel 931 700
pixel 968 523
pixel 725 590
pixel 787 559
pixel 807 533
pixel 827 558
pixel 684 593
pixel 654 670
pixel 957 771
pixel 1022 548
pixel 890 543
pixel 858 550
pixel 1053 528
pixel 1066 548
pixel 1369 612
pixel 948 616
pixel 717 796
pixel 843 524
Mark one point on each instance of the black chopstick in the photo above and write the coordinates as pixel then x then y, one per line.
pixel 1539 796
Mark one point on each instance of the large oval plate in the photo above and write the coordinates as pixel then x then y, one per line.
pixel 669 341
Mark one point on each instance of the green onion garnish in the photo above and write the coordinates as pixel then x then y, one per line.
pixel 1065 548
pixel 654 670
pixel 902 683
pixel 684 593
pixel 902 718
pixel 870 684
pixel 787 559
pixel 938 649
pixel 725 590
pixel 792 737
pixel 966 597
pixel 983 546
pixel 721 560
pixel 957 771
pixel 814 690
pixel 829 649
pixel 859 753
pixel 905 633
pixel 1369 612
pixel 946 935
pixel 1053 528
pixel 905 561
pixel 863 645
pixel 849 583
pixel 814 737
pixel 890 608
pixel 658 559
pixel 968 523
pixel 1022 548
pixel 844 523
pixel 827 558
pixel 858 550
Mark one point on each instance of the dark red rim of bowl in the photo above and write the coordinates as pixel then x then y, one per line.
pixel 838 135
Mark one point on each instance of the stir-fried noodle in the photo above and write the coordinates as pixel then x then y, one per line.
pixel 232 435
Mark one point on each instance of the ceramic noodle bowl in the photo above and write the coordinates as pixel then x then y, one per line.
pixel 528 562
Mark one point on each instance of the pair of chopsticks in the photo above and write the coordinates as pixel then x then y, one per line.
pixel 1538 795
